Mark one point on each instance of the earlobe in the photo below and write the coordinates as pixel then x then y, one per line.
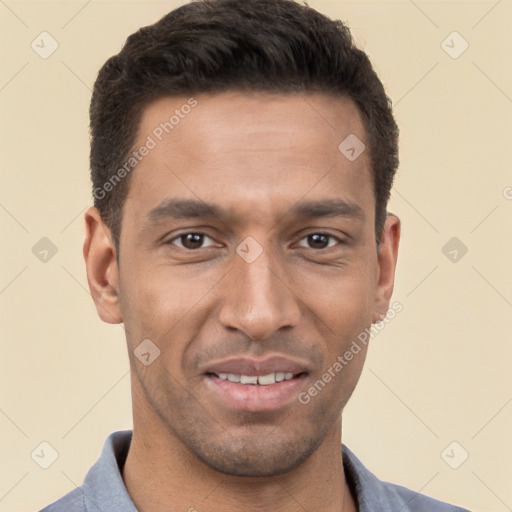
pixel 101 266
pixel 387 258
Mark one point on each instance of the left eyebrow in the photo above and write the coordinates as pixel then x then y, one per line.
pixel 328 208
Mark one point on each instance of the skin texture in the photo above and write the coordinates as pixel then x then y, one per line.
pixel 255 156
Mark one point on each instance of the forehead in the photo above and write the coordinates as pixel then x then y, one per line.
pixel 248 117
pixel 247 149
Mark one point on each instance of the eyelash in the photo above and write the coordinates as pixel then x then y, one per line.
pixel 178 237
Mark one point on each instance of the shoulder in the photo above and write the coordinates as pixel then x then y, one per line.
pixel 417 502
pixel 71 502
pixel 374 494
pixel 103 487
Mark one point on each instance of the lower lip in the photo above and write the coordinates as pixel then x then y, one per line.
pixel 253 397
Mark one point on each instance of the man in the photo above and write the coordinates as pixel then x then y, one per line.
pixel 242 156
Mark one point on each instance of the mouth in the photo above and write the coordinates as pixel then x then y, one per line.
pixel 255 386
pixel 255 380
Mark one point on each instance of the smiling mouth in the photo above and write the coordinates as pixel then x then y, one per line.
pixel 255 380
pixel 254 393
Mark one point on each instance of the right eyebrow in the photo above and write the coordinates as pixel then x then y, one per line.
pixel 182 209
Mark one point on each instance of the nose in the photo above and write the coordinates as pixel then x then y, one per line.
pixel 257 299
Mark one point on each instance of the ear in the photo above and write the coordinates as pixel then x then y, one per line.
pixel 386 260
pixel 101 265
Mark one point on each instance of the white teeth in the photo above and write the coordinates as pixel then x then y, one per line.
pixel 265 380
pixel 262 380
pixel 245 379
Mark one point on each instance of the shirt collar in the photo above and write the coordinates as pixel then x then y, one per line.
pixel 103 486
pixel 372 494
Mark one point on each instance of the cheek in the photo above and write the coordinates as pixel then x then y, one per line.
pixel 344 300
pixel 342 309
pixel 159 302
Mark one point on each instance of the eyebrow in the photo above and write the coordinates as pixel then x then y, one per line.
pixel 328 208
pixel 182 209
pixel 191 208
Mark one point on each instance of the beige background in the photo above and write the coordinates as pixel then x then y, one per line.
pixel 439 372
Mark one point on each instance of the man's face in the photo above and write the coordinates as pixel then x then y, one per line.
pixel 248 248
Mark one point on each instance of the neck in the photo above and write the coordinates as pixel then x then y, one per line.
pixel 162 474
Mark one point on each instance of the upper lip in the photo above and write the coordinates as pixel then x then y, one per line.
pixel 257 367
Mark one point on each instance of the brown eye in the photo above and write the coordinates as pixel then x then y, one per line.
pixel 191 241
pixel 318 241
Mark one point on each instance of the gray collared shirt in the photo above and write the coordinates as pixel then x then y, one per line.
pixel 103 489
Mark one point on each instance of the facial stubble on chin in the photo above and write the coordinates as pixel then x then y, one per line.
pixel 271 445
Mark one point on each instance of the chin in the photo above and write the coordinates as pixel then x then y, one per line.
pixel 257 456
